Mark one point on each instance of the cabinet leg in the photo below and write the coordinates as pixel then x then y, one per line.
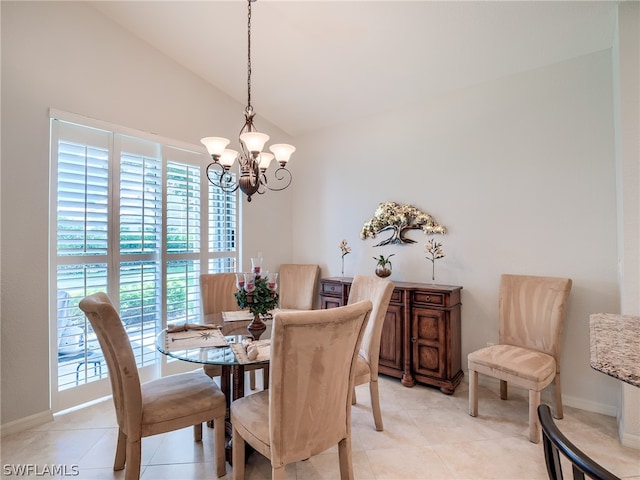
pixel 448 390
pixel 407 379
pixel 450 387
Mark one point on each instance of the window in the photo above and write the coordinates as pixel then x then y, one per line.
pixel 133 216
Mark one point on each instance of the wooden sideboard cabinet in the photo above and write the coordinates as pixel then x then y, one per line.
pixel 421 332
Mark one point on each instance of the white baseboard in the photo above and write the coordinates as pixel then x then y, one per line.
pixel 582 404
pixel 26 423
pixel 567 400
pixel 627 439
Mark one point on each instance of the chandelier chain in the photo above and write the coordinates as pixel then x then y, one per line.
pixel 249 107
pixel 251 177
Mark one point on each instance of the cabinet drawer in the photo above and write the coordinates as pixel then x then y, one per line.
pixel 331 288
pixel 397 296
pixel 429 298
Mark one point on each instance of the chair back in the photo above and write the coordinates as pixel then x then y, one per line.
pixel 379 291
pixel 298 283
pixel 532 311
pixel 313 358
pixel 117 351
pixel 555 443
pixel 216 293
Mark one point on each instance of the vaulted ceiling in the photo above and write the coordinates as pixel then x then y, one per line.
pixel 317 64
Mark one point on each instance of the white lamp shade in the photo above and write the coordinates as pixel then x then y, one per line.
pixel 228 157
pixel 282 151
pixel 265 160
pixel 215 145
pixel 254 141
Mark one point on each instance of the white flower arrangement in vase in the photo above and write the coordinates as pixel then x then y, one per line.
pixel 434 249
pixel 346 250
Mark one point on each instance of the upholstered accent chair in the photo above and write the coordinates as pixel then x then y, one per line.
pixel 379 291
pixel 531 316
pixel 217 295
pixel 298 286
pixel 158 406
pixel 307 408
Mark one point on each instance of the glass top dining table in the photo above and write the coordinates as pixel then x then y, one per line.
pixel 234 332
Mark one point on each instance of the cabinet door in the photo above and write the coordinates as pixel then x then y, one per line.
pixel 330 302
pixel 428 338
pixel 391 340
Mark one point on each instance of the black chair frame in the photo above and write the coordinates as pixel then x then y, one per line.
pixel 554 443
pixel 91 358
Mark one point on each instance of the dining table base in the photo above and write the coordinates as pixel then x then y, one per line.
pixel 232 384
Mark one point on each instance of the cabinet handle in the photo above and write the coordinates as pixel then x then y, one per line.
pixel 428 299
pixel 413 339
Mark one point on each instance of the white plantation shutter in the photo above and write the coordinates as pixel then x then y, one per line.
pixel 184 221
pixel 83 192
pixel 140 243
pixel 183 208
pixel 134 216
pixel 82 224
pixel 222 230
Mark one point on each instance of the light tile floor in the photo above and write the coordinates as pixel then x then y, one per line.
pixel 427 435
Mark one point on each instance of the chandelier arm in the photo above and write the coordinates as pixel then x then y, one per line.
pixel 223 179
pixel 280 174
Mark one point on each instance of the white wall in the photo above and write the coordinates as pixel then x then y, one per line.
pixel 520 170
pixel 67 56
pixel 626 69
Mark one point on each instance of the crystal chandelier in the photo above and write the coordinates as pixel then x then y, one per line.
pixel 252 161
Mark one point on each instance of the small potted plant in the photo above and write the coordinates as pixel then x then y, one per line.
pixel 383 265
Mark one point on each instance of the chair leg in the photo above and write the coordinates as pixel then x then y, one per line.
pixel 197 432
pixel 473 393
pixel 252 379
pixel 121 451
pixel 534 425
pixel 237 456
pixel 344 455
pixel 353 396
pixel 278 473
pixel 134 458
pixel 265 377
pixel 375 405
pixel 558 397
pixel 218 446
pixel 504 394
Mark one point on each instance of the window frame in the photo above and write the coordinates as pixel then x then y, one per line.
pixel 170 151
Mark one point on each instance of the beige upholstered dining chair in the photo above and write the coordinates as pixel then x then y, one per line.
pixel 307 408
pixel 217 295
pixel 158 406
pixel 531 316
pixel 298 285
pixel 379 291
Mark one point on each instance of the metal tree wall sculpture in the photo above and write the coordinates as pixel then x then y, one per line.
pixel 399 219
